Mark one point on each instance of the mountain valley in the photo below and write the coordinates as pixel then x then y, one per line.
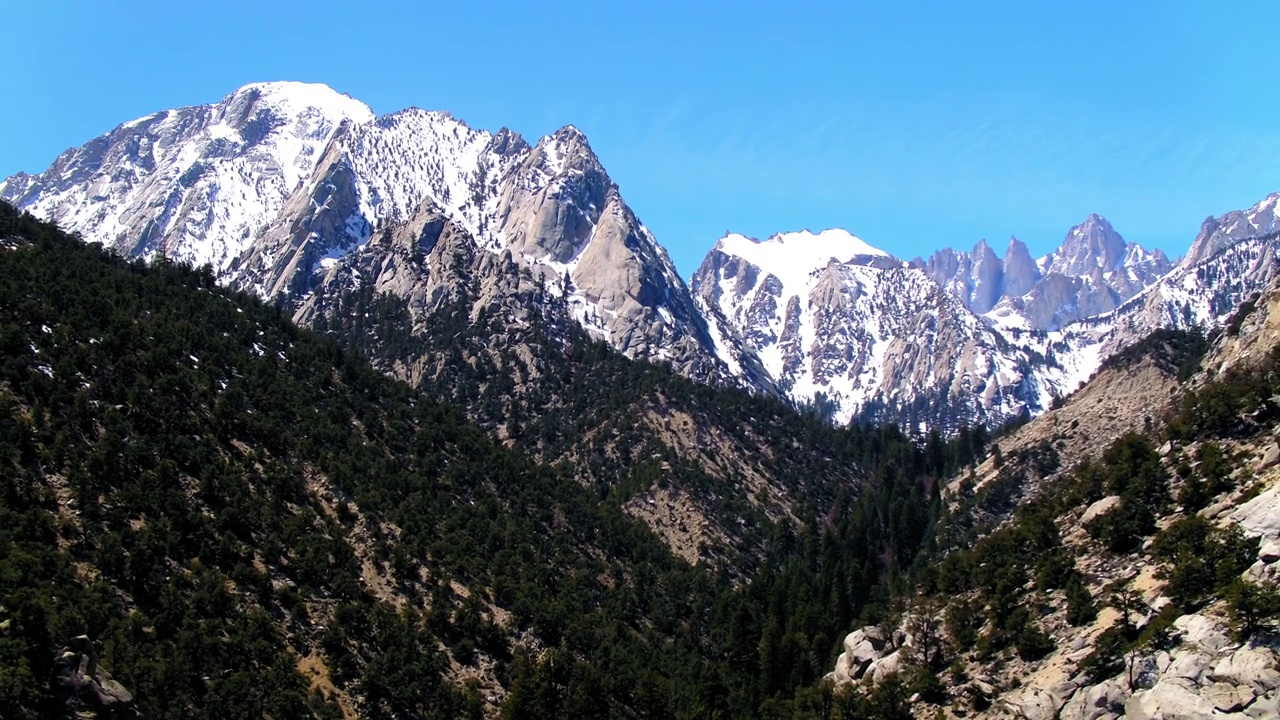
pixel 316 413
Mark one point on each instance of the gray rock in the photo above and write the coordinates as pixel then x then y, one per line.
pixel 1269 552
pixel 1200 630
pixel 1253 667
pixel 1270 458
pixel 1260 515
pixel 79 682
pixel 1217 509
pixel 862 647
pixel 1099 508
pixel 1034 704
pixel 1229 698
pixel 1189 665
pixel 1167 701
pixel 888 665
pixel 1096 701
pixel 1064 689
pixel 1265 706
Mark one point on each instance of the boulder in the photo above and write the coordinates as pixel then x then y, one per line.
pixel 1096 701
pixel 1099 508
pixel 1189 665
pixel 1229 698
pixel 872 635
pixel 1217 509
pixel 1252 667
pixel 1033 704
pixel 79 682
pixel 1270 458
pixel 1269 552
pixel 861 648
pixel 1261 515
pixel 1202 631
pixel 1168 700
pixel 884 667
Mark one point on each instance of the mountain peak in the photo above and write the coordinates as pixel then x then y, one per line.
pixel 1090 246
pixel 570 132
pixel 793 256
pixel 297 97
pixel 1020 272
pixel 1218 233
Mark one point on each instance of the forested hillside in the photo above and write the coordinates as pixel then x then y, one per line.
pixel 727 464
pixel 245 519
pixel 1115 557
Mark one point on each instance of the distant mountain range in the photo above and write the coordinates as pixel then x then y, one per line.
pixel 299 193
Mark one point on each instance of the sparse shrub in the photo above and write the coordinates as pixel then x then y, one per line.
pixel 1081 609
pixel 1253 606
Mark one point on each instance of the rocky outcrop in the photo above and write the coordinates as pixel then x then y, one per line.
pixel 1091 246
pixel 1020 271
pixel 278 183
pixel 868 653
pixel 84 687
pixel 1220 233
pixel 975 278
pixel 1092 272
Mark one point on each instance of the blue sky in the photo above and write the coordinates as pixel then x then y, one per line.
pixel 916 125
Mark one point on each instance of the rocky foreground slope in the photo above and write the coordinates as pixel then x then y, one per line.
pixel 1116 557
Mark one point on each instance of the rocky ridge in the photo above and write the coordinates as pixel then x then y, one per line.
pixel 857 332
pixel 294 192
pixel 968 337
pixel 279 182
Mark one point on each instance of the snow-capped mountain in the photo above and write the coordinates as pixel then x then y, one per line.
pixel 1234 256
pixel 279 182
pixel 968 337
pixel 1093 272
pixel 303 195
pixel 846 326
pixel 200 182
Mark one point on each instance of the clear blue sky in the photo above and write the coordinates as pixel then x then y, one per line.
pixel 916 125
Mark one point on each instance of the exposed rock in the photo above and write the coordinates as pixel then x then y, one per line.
pixel 1034 704
pixel 1096 701
pixel 1100 508
pixel 888 665
pixel 1203 632
pixel 1269 552
pixel 1020 271
pixel 1267 706
pixel 1189 665
pixel 1168 700
pixel 1229 698
pixel 846 326
pixel 82 684
pixel 862 648
pixel 1270 458
pixel 1261 515
pixel 1253 667
pixel 1218 234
